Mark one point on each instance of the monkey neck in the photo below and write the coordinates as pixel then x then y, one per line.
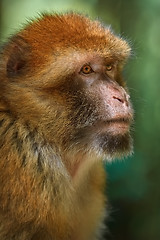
pixel 74 164
pixel 79 164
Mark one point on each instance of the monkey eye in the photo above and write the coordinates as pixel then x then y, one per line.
pixel 109 67
pixel 110 70
pixel 86 69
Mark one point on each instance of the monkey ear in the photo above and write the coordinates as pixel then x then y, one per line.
pixel 16 54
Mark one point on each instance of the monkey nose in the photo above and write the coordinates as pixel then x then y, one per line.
pixel 119 96
pixel 121 99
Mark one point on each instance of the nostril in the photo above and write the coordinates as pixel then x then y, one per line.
pixel 119 99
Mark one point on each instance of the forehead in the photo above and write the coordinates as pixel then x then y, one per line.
pixel 72 58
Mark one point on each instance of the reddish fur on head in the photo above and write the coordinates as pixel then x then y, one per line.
pixel 71 31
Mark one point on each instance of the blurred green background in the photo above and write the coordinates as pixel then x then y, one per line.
pixel 134 183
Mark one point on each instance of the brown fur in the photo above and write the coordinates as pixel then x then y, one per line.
pixel 50 189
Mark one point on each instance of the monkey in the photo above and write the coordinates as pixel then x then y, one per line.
pixel 64 110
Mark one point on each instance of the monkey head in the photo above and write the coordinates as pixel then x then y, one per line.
pixel 67 71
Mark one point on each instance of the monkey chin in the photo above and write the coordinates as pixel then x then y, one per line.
pixel 115 146
pixel 115 142
pixel 106 140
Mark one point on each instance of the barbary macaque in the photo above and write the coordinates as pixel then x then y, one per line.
pixel 64 108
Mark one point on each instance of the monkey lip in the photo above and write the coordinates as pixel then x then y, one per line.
pixel 117 125
pixel 120 120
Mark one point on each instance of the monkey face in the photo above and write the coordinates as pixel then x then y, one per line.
pixel 101 106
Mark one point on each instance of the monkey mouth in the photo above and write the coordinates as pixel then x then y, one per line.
pixel 117 126
pixel 119 120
